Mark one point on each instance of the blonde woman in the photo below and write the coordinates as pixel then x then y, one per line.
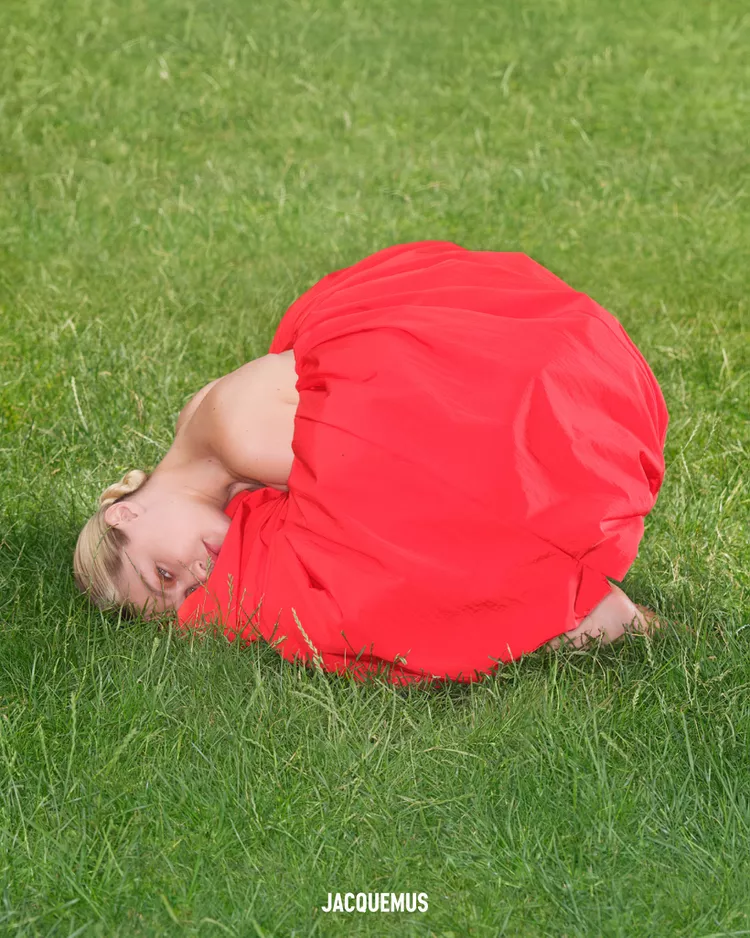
pixel 156 535
pixel 388 376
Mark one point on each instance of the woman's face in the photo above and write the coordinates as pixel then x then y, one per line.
pixel 170 549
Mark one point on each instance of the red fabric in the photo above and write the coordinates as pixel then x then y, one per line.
pixel 476 446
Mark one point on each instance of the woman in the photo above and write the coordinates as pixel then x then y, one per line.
pixel 425 385
pixel 156 535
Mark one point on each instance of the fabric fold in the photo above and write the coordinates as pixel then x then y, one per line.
pixel 476 446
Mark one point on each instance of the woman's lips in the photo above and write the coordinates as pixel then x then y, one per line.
pixel 213 550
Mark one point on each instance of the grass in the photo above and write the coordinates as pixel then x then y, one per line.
pixel 173 175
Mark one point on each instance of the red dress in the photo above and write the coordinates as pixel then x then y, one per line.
pixel 476 446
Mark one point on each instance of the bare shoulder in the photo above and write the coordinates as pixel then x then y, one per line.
pixel 246 420
pixel 192 405
pixel 279 373
pixel 271 376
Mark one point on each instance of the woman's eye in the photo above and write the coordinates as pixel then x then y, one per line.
pixel 191 590
pixel 163 574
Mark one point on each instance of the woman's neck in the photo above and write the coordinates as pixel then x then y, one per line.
pixel 205 479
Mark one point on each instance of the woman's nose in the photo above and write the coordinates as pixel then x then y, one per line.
pixel 201 569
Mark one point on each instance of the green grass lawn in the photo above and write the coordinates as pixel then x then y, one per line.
pixel 173 174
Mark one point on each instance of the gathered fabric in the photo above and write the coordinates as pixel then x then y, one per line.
pixel 476 447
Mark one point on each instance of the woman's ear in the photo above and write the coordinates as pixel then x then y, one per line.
pixel 119 512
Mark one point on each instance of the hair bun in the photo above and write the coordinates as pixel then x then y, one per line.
pixel 130 482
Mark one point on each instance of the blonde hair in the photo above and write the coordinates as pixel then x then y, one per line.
pixel 98 557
